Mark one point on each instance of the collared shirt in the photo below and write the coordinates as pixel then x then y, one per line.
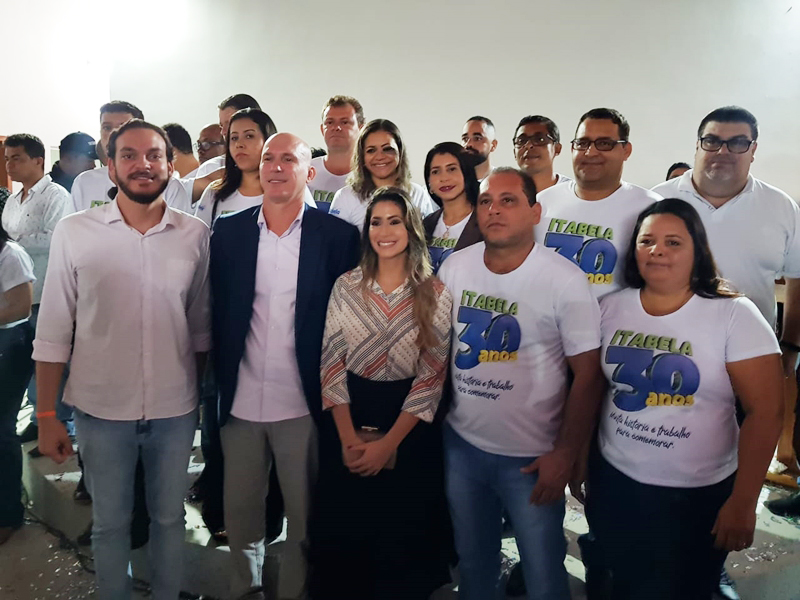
pixel 139 304
pixel 31 222
pixel 269 388
pixel 91 188
pixel 754 237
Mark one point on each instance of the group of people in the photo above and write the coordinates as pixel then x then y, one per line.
pixel 409 364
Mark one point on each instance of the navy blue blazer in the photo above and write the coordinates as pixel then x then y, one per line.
pixel 328 247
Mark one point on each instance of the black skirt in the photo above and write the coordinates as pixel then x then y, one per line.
pixel 383 536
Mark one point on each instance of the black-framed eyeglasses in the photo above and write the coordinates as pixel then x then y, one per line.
pixel 736 145
pixel 207 145
pixel 539 139
pixel 602 144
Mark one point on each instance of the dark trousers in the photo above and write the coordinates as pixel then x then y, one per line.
pixel 16 367
pixel 656 540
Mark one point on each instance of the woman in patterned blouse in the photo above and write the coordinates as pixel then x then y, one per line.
pixel 384 359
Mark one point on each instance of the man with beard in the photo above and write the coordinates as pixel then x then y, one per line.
pixel 96 187
pixel 76 155
pixel 479 139
pixel 536 143
pixel 754 232
pixel 131 279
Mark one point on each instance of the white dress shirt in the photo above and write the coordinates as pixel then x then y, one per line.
pixel 31 222
pixel 91 189
pixel 139 304
pixel 269 388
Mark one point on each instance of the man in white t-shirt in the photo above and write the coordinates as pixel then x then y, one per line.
pixel 522 316
pixel 590 220
pixel 342 120
pixel 753 228
pixel 480 139
pixel 536 144
pixel 91 188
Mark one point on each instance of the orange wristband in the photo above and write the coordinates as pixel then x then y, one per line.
pixel 47 413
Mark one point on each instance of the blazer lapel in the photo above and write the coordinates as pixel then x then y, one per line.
pixel 249 263
pixel 308 263
pixel 471 234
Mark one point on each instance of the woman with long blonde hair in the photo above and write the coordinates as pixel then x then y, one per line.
pixel 384 360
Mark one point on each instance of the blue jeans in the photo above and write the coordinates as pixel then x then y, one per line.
pixel 16 345
pixel 479 486
pixel 63 411
pixel 110 450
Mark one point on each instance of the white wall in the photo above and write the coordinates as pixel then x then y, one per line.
pixel 427 65
pixel 55 72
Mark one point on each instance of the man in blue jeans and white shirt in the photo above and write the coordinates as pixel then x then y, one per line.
pixel 131 278
pixel 522 315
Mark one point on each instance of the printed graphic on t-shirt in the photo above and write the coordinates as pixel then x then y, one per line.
pixel 588 246
pixel 492 334
pixel 666 381
pixel 323 199
pixel 98 203
pixel 439 249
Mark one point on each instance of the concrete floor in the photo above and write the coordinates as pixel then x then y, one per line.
pixel 35 564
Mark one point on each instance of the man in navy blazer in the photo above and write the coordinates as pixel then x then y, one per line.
pixel 272 271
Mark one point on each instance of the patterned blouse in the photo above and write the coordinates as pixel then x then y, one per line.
pixel 376 339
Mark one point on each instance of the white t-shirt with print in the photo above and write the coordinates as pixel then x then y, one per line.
pixel 754 237
pixel 562 179
pixel 511 336
pixel 16 268
pixel 669 417
pixel 348 206
pixel 444 240
pixel 325 184
pixel 594 234
pixel 91 188
pixel 233 203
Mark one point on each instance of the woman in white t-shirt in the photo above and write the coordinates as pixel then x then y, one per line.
pixel 453 185
pixel 380 160
pixel 675 484
pixel 16 368
pixel 239 187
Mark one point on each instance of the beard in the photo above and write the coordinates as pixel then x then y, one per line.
pixel 143 198
pixel 478 158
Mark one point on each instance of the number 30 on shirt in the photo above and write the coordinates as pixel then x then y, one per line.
pixel 666 380
pixel 596 257
pixel 488 339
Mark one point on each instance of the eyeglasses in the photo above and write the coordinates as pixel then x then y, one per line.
pixel 737 145
pixel 207 145
pixel 602 144
pixel 523 140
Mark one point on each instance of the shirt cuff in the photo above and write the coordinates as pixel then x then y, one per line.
pixel 50 352
pixel 202 342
